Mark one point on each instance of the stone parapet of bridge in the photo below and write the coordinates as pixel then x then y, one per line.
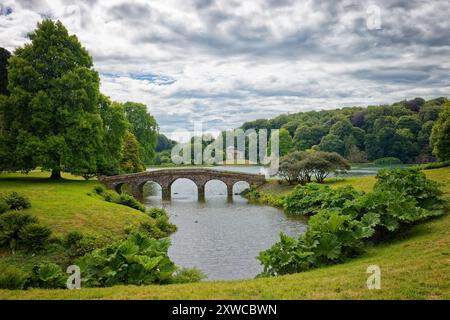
pixel 166 177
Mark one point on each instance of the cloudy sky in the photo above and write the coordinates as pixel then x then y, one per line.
pixel 226 62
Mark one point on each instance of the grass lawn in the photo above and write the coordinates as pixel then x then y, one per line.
pixel 415 265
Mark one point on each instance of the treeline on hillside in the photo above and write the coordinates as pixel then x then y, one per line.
pixel 401 130
pixel 53 115
pixel 163 150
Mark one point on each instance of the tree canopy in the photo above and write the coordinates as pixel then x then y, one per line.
pixel 51 118
pixel 144 127
pixel 400 130
pixel 440 137
pixel 56 118
pixel 4 56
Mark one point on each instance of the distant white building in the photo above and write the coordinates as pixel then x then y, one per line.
pixel 234 154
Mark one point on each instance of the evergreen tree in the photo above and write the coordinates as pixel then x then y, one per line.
pixel 131 160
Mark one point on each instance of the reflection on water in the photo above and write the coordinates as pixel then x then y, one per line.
pixel 219 236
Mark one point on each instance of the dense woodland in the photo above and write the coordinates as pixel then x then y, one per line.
pixel 401 130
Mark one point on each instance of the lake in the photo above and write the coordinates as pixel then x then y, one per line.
pixel 223 237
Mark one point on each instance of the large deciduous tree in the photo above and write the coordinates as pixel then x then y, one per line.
pixel 4 56
pixel 144 127
pixel 307 136
pixel 440 136
pixel 285 142
pixel 51 118
pixel 114 134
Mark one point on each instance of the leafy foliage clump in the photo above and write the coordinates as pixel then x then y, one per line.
pixel 22 230
pixel 413 183
pixel 78 245
pixel 188 275
pixel 16 201
pixel 162 220
pixel 344 221
pixel 157 227
pixel 330 238
pixel 129 201
pixel 123 199
pixel 48 276
pixel 34 236
pixel 3 206
pixel 253 195
pixel 312 198
pixel 12 278
pixel 137 260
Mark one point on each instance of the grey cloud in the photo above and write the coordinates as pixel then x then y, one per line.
pixel 130 11
pixel 233 64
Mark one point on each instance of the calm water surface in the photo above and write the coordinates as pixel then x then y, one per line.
pixel 223 237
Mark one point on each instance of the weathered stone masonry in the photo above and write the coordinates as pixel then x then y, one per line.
pixel 165 178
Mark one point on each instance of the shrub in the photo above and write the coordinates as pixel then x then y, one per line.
pixel 78 245
pixel 151 230
pixel 163 223
pixel 11 224
pixel 12 278
pixel 390 209
pixel 330 238
pixel 255 196
pixel 3 206
pixel 72 238
pixel 123 199
pixel 137 260
pixel 188 275
pixel 48 276
pixel 343 226
pixel 387 161
pixel 16 201
pixel 109 196
pixel 156 212
pixel 99 189
pixel 129 201
pixel 162 220
pixel 34 236
pixel 309 199
pixel 414 183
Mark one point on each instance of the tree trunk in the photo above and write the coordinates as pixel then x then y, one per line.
pixel 56 174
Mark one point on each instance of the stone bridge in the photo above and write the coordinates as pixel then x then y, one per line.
pixel 166 177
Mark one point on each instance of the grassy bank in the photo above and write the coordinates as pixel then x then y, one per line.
pixel 66 205
pixel 415 265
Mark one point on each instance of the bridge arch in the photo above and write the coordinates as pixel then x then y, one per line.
pixel 222 182
pixel 142 186
pixel 240 186
pixel 124 187
pixel 186 180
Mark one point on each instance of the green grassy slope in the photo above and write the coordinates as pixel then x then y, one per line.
pixel 66 206
pixel 416 265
